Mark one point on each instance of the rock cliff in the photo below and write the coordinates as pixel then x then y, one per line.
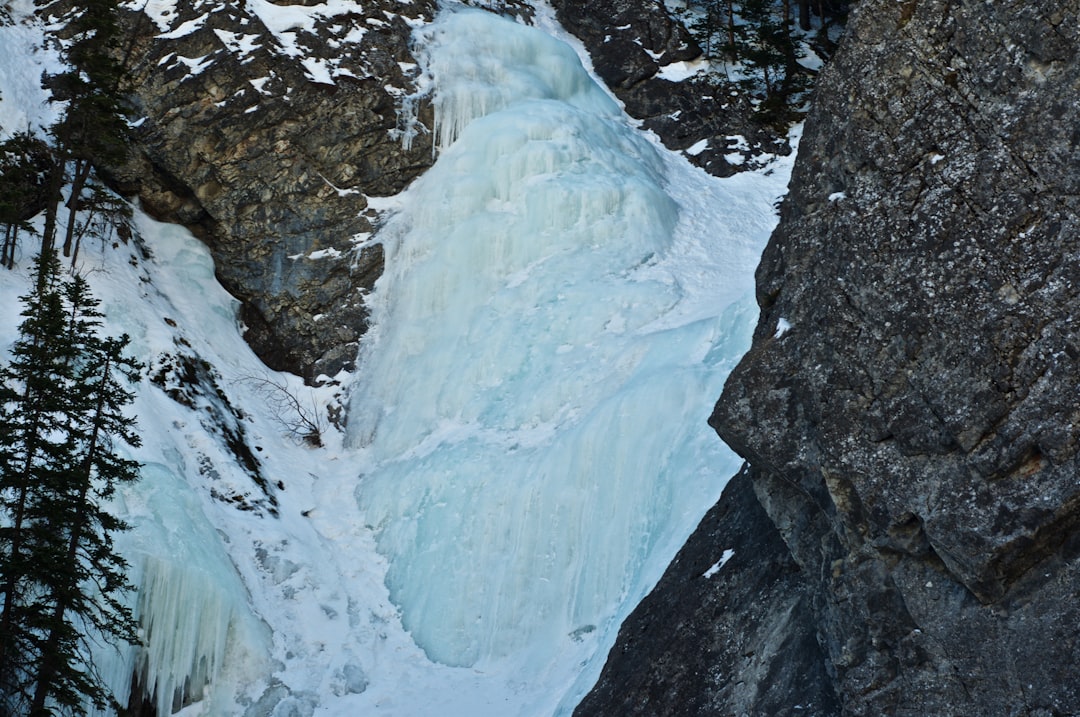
pixel 267 134
pixel 908 406
pixel 632 43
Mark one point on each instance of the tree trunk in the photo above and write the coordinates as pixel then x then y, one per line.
pixel 10 232
pixel 56 183
pixel 78 181
pixel 731 30
pixel 804 14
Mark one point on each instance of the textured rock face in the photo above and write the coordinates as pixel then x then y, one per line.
pixel 268 141
pixel 631 42
pixel 705 642
pixel 914 433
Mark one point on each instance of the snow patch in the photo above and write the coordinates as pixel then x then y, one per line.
pixel 697 147
pixel 715 567
pixel 185 28
pixel 682 70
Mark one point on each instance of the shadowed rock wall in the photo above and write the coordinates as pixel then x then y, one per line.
pixel 914 434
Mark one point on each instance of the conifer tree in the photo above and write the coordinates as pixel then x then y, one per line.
pixel 63 584
pixel 34 387
pixel 93 129
pixel 23 166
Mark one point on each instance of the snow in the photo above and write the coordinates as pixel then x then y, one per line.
pixel 317 70
pixel 160 11
pixel 285 20
pixel 259 83
pixel 238 44
pixel 697 147
pixel 782 327
pixel 185 28
pixel 562 301
pixel 23 103
pixel 682 70
pixel 715 567
pixel 195 65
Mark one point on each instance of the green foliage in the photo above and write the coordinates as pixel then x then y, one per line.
pixel 94 129
pixel 62 585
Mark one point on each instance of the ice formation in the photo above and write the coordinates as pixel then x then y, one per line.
pixel 562 301
pixel 535 415
pixel 191 604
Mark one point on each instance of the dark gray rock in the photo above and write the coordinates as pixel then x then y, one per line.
pixel 271 163
pixel 705 641
pixel 914 434
pixel 629 42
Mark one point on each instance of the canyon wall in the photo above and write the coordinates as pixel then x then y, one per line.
pixel 908 407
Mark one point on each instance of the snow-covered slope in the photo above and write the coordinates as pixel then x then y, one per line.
pixel 526 444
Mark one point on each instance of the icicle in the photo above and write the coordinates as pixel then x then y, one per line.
pixel 490 71
pixel 191 606
pixel 186 620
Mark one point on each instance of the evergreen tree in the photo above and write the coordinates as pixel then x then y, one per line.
pixel 760 37
pixel 62 582
pixel 35 387
pixel 24 164
pixel 93 129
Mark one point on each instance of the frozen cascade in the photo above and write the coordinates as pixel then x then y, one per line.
pixel 535 412
pixel 191 605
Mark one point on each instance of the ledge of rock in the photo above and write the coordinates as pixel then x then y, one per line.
pixel 268 141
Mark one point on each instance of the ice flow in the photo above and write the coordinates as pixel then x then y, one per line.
pixel 535 413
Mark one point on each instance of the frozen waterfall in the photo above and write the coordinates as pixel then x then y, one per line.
pixel 562 301
pixel 191 605
pixel 547 345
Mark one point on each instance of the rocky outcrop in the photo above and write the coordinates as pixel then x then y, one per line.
pixel 267 134
pixel 705 641
pixel 632 43
pixel 908 404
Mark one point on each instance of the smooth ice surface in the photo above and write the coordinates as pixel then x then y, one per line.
pixel 536 389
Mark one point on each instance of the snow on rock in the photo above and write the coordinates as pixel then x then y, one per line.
pixel 715 567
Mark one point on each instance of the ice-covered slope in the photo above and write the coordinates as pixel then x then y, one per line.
pixel 529 394
pixel 527 440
